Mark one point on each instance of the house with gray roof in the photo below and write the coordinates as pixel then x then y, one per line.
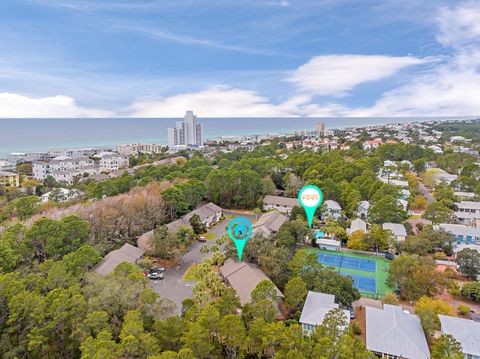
pixel 468 213
pixel 209 214
pixel 282 204
pixel 357 225
pixel 127 253
pixel 398 230
pixel 465 331
pixel 269 223
pixel 331 209
pixel 316 306
pixel 243 278
pixel 393 333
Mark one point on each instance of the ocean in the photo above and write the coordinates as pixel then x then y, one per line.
pixel 38 134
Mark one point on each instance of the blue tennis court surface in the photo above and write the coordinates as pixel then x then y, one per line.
pixel 341 261
pixel 366 284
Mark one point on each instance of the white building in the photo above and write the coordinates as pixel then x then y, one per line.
pixel 316 307
pixel 6 165
pixel 110 161
pixel 362 209
pixel 61 195
pixel 357 225
pixel 398 230
pixel 468 213
pixel 66 163
pixel 331 209
pixel 40 170
pixel 136 148
pixel 186 133
pixel 394 334
pixel 465 331
pixel 282 204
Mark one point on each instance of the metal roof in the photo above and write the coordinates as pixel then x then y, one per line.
pixel 391 331
pixel 316 306
pixel 465 331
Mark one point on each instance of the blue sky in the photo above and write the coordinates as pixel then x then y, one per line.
pixel 239 58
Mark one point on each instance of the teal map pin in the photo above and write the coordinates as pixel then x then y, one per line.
pixel 310 197
pixel 240 230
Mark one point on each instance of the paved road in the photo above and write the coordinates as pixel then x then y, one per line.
pixel 173 286
pixel 423 190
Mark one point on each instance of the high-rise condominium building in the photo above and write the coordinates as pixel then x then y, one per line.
pixel 186 133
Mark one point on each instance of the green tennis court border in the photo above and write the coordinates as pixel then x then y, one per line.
pixel 381 273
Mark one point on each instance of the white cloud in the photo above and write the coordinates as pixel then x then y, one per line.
pixel 460 26
pixel 14 105
pixel 218 102
pixel 337 74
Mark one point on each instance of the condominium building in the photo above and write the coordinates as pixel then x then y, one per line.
pixel 110 161
pixel 186 133
pixel 9 179
pixel 136 148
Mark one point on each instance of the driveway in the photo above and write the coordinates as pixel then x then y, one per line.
pixel 424 191
pixel 173 287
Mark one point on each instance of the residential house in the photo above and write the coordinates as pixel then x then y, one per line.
pixel 398 230
pixel 282 204
pixel 372 144
pixel 331 209
pixel 269 223
pixel 394 334
pixel 209 214
pixel 243 278
pixel 316 306
pixel 357 225
pixel 9 179
pixel 362 209
pixel 127 253
pixel 465 331
pixel 443 176
pixel 463 234
pixel 468 213
pixel 464 195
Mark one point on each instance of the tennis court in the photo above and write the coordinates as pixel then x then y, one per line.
pixel 342 261
pixel 369 273
pixel 363 283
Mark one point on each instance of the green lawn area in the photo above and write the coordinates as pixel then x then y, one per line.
pixel 210 236
pixel 190 273
pixel 381 274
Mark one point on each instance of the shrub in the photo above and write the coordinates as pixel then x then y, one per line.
pixel 439 255
pixel 463 309
pixel 357 330
pixel 390 298
pixel 471 290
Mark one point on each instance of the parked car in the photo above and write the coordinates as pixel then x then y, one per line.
pixel 389 256
pixel 202 239
pixel 157 269
pixel 155 275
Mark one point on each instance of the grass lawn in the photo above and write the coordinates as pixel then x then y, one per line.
pixel 381 273
pixel 210 236
pixel 190 273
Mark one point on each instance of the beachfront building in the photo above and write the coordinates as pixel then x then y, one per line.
pixel 9 179
pixel 186 133
pixel 40 170
pixel 136 148
pixel 316 307
pixel 282 204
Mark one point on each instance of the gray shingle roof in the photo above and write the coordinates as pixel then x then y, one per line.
pixel 127 253
pixel 465 331
pixel 334 205
pixel 272 221
pixel 282 201
pixel 316 306
pixel 391 331
pixel 460 229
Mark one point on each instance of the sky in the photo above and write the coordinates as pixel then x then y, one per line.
pixel 239 58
